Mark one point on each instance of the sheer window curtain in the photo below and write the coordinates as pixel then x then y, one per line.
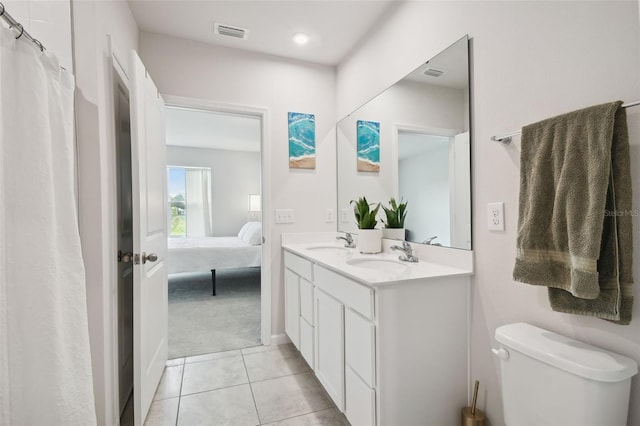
pixel 45 363
pixel 198 202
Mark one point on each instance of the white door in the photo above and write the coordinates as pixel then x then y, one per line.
pixel 460 190
pixel 329 324
pixel 149 238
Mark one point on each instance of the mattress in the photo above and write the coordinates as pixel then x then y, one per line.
pixel 202 254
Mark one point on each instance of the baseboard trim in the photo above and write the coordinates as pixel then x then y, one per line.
pixel 279 339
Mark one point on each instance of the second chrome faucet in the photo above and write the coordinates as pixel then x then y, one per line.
pixel 348 238
pixel 407 252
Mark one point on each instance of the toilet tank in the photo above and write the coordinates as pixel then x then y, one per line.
pixel 550 379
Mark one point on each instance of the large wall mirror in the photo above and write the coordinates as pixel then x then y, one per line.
pixel 412 142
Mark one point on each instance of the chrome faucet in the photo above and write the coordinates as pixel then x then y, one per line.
pixel 348 238
pixel 429 241
pixel 407 252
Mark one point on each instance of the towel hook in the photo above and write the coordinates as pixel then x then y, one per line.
pixel 21 30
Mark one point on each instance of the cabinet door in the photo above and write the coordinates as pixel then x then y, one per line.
pixel 329 327
pixel 292 306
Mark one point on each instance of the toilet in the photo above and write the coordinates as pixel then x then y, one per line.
pixel 550 379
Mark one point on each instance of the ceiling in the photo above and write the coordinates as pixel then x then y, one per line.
pixel 212 130
pixel 334 27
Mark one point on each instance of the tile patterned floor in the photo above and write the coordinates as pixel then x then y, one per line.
pixel 264 385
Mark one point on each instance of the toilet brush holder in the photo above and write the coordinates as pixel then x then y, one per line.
pixel 470 415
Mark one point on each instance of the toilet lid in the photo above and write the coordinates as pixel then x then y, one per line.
pixel 567 354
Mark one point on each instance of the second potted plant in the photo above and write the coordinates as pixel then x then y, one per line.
pixel 394 224
pixel 369 238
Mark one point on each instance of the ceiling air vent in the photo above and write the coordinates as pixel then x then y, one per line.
pixel 433 72
pixel 229 31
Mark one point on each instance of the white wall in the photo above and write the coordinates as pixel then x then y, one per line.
pixel 92 21
pixel 530 61
pixel 234 175
pixel 47 21
pixel 191 69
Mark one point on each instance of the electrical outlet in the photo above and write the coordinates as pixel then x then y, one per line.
pixel 329 215
pixel 344 214
pixel 285 216
pixel 495 216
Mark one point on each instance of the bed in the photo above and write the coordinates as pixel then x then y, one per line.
pixel 203 254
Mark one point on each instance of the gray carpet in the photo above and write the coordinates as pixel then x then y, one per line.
pixel 200 323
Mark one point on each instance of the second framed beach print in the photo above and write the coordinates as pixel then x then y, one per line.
pixel 368 146
pixel 302 141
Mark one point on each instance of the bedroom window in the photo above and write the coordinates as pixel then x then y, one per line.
pixel 189 201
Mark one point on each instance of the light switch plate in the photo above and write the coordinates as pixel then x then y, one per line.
pixel 285 216
pixel 495 216
pixel 344 214
pixel 329 215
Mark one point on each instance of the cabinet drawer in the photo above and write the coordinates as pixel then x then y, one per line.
pixel 292 306
pixel 299 265
pixel 306 300
pixel 329 346
pixel 360 401
pixel 359 346
pixel 349 292
pixel 306 342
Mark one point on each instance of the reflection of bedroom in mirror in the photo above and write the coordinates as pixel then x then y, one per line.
pixel 215 232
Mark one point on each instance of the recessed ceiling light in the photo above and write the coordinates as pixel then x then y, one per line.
pixel 301 39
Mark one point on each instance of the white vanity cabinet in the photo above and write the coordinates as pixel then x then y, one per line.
pixel 387 354
pixel 298 303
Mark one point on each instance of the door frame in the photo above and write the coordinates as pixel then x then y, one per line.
pixel 97 198
pixel 265 191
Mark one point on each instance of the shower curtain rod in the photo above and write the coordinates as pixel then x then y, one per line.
pixel 15 25
pixel 506 139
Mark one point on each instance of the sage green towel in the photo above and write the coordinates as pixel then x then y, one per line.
pixel 574 224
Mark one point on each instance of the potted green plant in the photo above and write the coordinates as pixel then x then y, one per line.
pixel 369 238
pixel 394 223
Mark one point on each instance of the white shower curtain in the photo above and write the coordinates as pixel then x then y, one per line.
pixel 45 363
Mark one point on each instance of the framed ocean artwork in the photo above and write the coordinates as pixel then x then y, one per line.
pixel 302 141
pixel 368 146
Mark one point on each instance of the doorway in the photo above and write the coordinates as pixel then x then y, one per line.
pixel 432 167
pixel 215 274
pixel 124 217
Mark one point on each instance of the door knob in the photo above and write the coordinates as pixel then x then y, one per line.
pixel 151 257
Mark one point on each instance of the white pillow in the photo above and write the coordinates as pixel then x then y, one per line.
pixel 253 235
pixel 244 229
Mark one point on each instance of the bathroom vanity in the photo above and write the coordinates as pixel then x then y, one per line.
pixel 388 340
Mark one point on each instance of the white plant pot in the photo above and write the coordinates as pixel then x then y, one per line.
pixel 370 240
pixel 393 233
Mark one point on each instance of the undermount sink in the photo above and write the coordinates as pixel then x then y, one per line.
pixel 386 265
pixel 327 248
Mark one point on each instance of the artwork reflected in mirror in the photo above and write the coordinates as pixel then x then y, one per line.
pixel 412 142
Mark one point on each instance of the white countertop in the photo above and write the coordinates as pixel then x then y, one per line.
pixel 404 272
